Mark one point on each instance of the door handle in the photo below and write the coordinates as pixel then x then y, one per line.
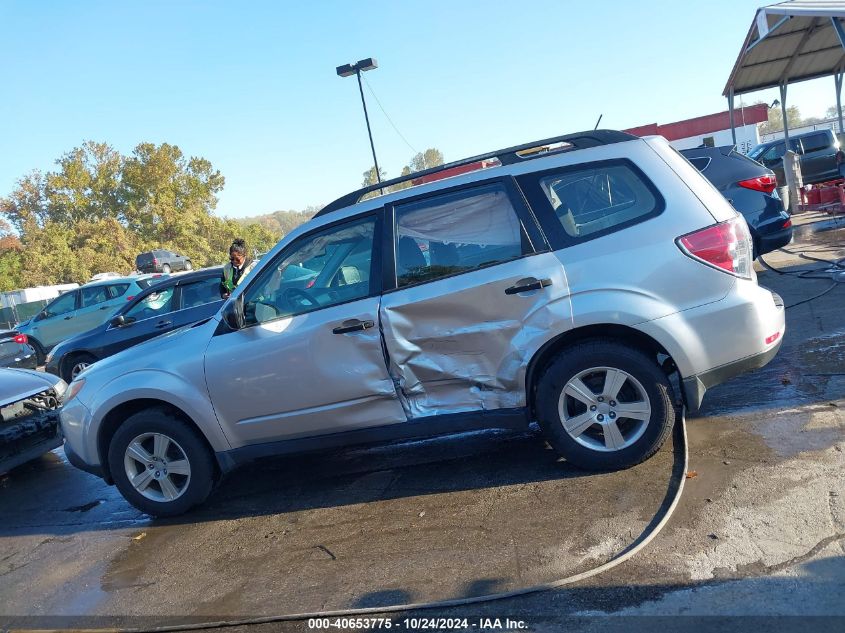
pixel 524 285
pixel 68 318
pixel 353 325
pixel 105 307
pixel 162 324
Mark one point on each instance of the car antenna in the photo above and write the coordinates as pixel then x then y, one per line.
pixel 599 121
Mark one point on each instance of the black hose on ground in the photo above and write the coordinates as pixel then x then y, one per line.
pixel 658 522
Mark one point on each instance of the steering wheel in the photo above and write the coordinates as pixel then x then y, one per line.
pixel 296 297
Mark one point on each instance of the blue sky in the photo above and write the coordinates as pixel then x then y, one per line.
pixel 252 87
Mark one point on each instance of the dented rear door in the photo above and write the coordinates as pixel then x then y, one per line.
pixel 473 293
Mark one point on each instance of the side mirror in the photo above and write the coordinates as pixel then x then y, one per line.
pixel 233 313
pixel 41 315
pixel 118 321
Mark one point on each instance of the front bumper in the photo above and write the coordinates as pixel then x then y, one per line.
pixel 76 419
pixel 81 464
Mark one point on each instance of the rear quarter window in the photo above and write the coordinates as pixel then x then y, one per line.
pixel 594 199
pixel 118 290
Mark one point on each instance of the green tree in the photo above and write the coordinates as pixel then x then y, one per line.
pixel 370 177
pixel 775 122
pixel 98 209
pixel 432 157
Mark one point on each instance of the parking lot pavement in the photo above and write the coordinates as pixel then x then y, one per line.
pixel 760 529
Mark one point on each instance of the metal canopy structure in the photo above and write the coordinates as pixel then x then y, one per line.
pixel 790 42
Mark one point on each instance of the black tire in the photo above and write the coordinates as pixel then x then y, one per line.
pixel 196 452
pixel 166 269
pixel 188 265
pixel 597 354
pixel 72 360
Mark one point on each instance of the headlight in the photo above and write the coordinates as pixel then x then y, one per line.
pixel 60 388
pixel 74 389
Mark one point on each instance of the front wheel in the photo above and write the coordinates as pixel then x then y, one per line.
pixel 75 365
pixel 160 464
pixel 188 265
pixel 604 406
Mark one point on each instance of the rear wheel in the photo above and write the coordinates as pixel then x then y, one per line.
pixel 160 464
pixel 40 354
pixel 604 405
pixel 166 269
pixel 75 365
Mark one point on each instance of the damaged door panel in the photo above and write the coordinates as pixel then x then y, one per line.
pixel 463 343
pixel 473 300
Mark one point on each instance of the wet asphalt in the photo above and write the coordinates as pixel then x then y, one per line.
pixel 759 531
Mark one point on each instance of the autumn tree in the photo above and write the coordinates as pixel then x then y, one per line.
pixel 99 209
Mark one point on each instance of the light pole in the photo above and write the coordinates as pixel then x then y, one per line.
pixel 347 70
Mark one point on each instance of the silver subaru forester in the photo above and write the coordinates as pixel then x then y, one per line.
pixel 567 281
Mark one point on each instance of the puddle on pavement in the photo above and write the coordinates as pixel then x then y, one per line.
pixel 426 521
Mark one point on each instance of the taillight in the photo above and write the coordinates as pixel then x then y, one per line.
pixel 155 262
pixel 21 339
pixel 130 298
pixel 726 246
pixel 787 224
pixel 766 184
pixel 311 283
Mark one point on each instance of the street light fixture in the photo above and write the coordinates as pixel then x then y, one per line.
pixel 347 70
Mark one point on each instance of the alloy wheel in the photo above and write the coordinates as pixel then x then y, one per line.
pixel 604 409
pixel 157 467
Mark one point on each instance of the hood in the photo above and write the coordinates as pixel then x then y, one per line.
pixel 162 351
pixel 16 384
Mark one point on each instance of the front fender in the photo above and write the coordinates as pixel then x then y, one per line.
pixel 164 386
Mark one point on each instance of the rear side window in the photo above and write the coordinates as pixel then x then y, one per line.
pixel 201 292
pixel 591 200
pixel 815 142
pixel 456 233
pixel 93 296
pixel 118 290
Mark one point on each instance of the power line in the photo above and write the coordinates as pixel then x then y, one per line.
pixel 381 107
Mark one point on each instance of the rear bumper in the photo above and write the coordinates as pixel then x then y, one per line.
pixel 713 342
pixel 696 386
pixel 773 241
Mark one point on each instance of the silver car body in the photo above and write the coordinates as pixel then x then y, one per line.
pixel 454 345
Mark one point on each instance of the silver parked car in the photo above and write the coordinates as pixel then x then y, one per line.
pixel 566 285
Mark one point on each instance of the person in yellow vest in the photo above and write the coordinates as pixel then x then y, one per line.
pixel 238 267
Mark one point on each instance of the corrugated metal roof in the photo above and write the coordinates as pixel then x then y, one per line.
pixel 789 42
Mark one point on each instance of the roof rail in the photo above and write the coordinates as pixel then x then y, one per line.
pixel 507 156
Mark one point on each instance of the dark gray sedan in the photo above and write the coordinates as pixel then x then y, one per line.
pixel 15 350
